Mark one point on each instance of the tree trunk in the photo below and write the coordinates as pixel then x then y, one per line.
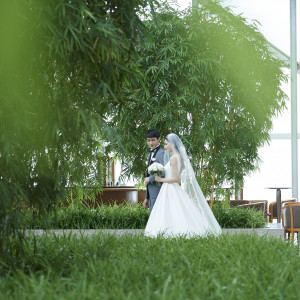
pixel 212 188
pixel 72 201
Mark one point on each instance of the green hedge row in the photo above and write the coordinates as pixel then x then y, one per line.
pixel 129 216
pixel 105 216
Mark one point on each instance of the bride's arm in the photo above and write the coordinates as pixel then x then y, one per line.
pixel 176 176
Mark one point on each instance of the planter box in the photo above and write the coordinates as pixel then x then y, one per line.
pixel 268 232
pixel 120 195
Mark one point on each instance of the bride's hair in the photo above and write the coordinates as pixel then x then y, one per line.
pixel 174 146
pixel 177 147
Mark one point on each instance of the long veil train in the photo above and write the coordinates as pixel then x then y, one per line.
pixel 190 184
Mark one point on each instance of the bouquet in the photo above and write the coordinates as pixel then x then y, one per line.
pixel 156 169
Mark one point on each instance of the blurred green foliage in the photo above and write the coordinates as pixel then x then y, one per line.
pixel 63 65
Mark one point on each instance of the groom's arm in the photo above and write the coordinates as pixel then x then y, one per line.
pixel 152 179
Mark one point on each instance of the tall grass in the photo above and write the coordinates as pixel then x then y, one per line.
pixel 129 216
pixel 137 267
pixel 104 216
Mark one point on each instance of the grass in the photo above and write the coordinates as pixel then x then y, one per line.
pixel 105 216
pixel 131 217
pixel 137 267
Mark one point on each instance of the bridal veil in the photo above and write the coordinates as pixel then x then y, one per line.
pixel 189 182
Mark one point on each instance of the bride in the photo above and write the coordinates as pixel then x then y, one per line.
pixel 180 210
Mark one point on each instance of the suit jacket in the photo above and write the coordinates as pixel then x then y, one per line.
pixel 152 188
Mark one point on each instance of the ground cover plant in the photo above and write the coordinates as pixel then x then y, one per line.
pixel 128 216
pixel 137 267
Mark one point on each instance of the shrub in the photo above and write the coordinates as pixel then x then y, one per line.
pixel 235 217
pixel 131 217
pixel 103 217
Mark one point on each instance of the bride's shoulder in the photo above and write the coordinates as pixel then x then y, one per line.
pixel 173 159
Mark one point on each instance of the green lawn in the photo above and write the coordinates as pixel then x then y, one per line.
pixel 137 267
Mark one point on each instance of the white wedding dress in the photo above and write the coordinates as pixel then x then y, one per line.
pixel 176 214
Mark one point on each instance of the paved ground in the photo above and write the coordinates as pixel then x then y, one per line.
pixel 85 232
pixel 273 230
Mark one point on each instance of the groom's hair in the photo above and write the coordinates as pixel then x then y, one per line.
pixel 152 133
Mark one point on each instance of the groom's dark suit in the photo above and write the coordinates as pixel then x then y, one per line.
pixel 152 188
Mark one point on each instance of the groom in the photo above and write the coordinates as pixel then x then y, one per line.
pixel 156 154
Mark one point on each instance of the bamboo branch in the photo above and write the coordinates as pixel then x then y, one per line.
pixel 212 188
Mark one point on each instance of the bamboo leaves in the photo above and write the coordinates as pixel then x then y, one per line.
pixel 212 80
pixel 64 65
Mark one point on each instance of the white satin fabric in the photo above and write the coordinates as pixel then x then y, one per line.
pixel 176 214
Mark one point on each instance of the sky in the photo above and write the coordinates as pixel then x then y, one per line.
pixel 273 15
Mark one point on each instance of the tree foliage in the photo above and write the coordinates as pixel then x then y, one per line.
pixel 211 79
pixel 63 65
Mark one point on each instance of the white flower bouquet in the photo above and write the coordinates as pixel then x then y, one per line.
pixel 156 169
